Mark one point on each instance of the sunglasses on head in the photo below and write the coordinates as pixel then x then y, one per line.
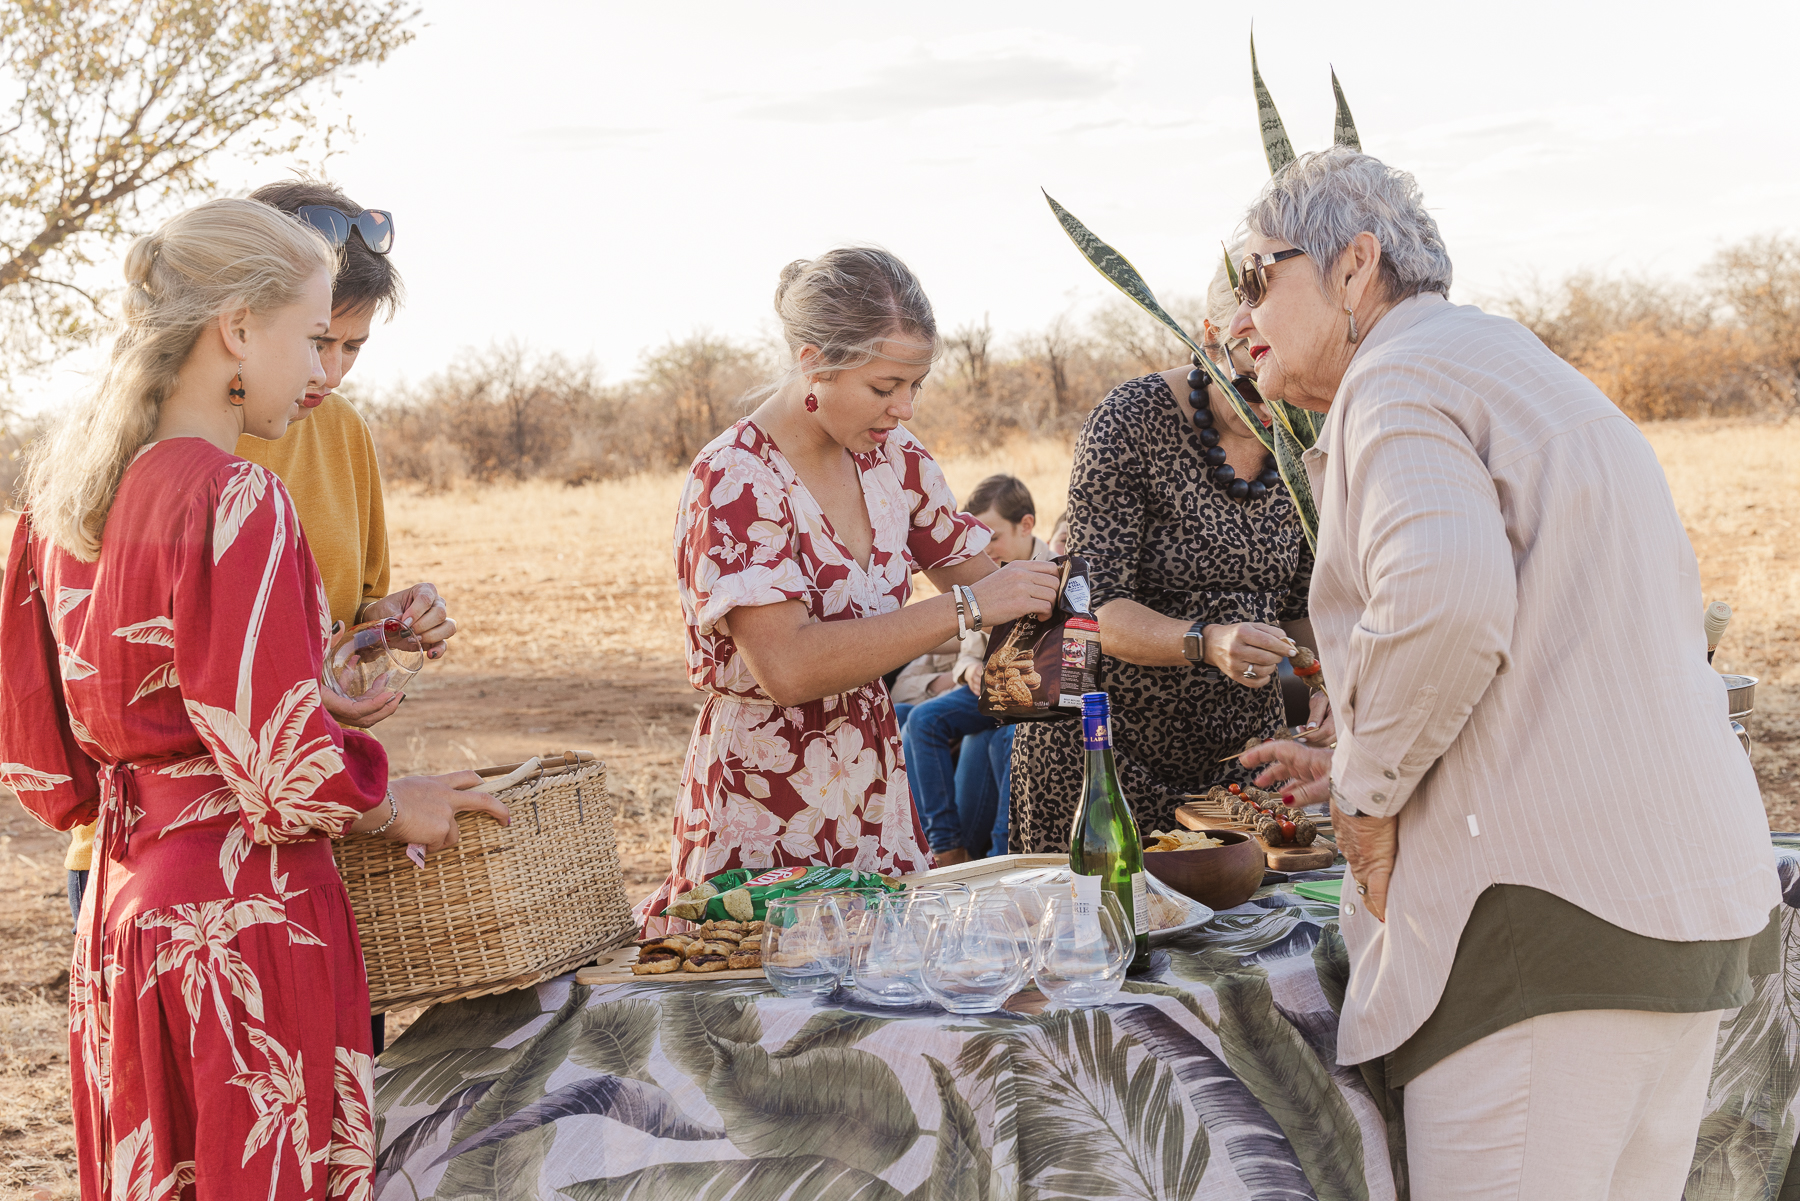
pixel 374 226
pixel 1253 279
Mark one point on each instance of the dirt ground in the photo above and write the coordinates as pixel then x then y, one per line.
pixel 571 638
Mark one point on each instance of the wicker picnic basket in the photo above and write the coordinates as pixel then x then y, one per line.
pixel 505 908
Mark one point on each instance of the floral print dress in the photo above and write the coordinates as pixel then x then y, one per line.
pixel 219 1029
pixel 819 783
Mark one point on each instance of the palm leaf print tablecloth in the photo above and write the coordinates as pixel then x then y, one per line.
pixel 1215 1078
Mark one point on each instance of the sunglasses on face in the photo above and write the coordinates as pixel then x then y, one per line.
pixel 374 226
pixel 1253 279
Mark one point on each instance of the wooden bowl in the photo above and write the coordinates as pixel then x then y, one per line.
pixel 1219 877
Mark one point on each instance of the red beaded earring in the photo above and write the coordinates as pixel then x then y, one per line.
pixel 812 403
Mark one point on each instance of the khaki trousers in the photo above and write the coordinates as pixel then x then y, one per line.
pixel 1592 1105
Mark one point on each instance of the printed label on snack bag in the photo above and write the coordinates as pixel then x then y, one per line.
pixel 1076 596
pixel 1140 903
pixel 780 875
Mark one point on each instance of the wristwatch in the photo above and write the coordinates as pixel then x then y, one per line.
pixel 1193 643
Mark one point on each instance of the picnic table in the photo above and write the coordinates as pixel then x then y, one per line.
pixel 1215 1076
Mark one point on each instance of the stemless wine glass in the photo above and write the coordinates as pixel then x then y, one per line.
pixel 977 956
pixel 888 971
pixel 375 657
pixel 858 907
pixel 1083 950
pixel 804 951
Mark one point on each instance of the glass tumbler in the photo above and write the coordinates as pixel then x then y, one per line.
pixel 858 907
pixel 804 949
pixel 375 657
pixel 888 972
pixel 978 955
pixel 1082 951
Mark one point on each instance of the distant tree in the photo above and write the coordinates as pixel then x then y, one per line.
pixel 1759 279
pixel 111 107
pixel 695 388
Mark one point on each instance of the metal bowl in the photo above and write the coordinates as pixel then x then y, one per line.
pixel 1740 695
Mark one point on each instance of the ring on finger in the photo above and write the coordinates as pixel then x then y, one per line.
pixel 1250 671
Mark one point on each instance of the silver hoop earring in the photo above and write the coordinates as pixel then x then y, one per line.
pixel 1354 337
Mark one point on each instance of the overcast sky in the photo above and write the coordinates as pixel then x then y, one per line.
pixel 598 178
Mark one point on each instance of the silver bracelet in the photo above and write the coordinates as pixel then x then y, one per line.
pixel 974 609
pixel 962 620
pixel 393 814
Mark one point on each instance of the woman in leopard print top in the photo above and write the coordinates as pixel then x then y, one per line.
pixel 1168 550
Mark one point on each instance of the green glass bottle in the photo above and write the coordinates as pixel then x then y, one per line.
pixel 1104 841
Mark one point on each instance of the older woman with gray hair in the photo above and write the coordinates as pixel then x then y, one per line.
pixel 1557 879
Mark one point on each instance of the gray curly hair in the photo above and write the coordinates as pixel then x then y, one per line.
pixel 1323 199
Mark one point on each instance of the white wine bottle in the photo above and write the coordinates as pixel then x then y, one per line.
pixel 1104 840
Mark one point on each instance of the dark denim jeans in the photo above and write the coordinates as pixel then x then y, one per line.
pixel 960 805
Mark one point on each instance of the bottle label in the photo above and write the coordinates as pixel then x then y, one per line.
pixel 1096 733
pixel 1140 903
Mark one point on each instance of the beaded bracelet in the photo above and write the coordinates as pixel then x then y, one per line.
pixel 393 814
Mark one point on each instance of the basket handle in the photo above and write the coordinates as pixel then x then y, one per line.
pixel 498 779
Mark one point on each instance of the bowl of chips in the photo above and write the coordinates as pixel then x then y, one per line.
pixel 1218 868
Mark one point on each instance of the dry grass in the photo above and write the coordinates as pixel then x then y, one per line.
pixel 571 637
pixel 1737 484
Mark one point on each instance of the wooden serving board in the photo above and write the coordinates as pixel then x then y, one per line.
pixel 1320 854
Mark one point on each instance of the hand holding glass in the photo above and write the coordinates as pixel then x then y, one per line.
pixel 375 657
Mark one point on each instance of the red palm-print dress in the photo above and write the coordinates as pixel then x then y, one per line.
pixel 823 782
pixel 219 1030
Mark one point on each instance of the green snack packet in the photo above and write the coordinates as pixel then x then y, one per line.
pixel 743 894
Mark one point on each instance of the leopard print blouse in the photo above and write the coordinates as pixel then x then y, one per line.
pixel 1154 529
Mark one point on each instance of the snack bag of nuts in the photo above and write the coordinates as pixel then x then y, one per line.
pixel 1037 669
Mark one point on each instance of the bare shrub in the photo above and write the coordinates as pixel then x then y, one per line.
pixel 1727 343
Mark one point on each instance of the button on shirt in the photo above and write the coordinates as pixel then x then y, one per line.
pixel 1509 611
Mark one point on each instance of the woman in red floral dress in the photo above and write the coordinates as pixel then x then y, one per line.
pixel 798 534
pixel 162 630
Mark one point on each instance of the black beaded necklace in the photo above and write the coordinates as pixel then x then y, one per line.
pixel 1221 472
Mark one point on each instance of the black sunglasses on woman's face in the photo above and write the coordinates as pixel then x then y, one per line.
pixel 1253 280
pixel 374 226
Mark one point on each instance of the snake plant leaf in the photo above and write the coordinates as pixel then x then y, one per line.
pixel 1343 130
pixel 1276 147
pixel 1293 473
pixel 1117 269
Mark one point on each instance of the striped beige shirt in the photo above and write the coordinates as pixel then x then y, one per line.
pixel 1509 615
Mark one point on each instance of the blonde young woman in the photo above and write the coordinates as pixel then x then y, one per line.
pixel 162 624
pixel 795 545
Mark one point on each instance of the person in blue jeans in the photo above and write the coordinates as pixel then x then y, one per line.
pixel 959 760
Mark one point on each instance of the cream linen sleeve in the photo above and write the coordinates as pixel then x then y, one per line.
pixel 1437 570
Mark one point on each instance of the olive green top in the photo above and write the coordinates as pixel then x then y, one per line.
pixel 1526 952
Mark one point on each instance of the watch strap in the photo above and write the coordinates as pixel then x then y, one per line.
pixel 1193 643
